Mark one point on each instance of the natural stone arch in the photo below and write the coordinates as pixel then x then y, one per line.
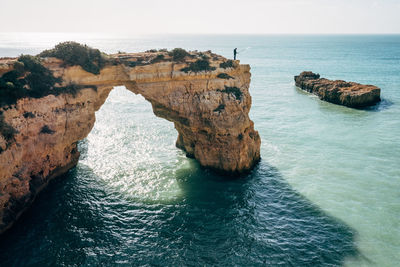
pixel 209 111
pixel 211 119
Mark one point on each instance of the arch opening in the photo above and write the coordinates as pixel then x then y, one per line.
pixel 131 150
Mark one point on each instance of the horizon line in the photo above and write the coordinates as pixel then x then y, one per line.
pixel 200 33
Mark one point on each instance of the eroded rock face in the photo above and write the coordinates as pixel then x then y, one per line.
pixel 209 113
pixel 349 94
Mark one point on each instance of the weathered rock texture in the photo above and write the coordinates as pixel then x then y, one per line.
pixel 349 94
pixel 209 113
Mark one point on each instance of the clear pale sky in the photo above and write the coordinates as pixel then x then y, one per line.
pixel 202 16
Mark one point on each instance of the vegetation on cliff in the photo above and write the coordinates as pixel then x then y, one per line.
pixel 138 62
pixel 46 130
pixel 227 64
pixel 28 79
pixel 178 54
pixel 235 91
pixel 158 58
pixel 224 76
pixel 31 79
pixel 7 131
pixel 72 53
pixel 219 108
pixel 199 65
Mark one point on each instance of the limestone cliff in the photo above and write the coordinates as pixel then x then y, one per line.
pixel 349 94
pixel 208 108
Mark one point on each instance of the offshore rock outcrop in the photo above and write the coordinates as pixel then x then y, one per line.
pixel 349 94
pixel 38 137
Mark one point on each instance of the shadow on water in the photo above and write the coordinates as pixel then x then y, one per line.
pixel 380 106
pixel 261 220
pixel 258 220
pixel 55 230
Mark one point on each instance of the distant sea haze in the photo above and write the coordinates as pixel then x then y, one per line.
pixel 324 193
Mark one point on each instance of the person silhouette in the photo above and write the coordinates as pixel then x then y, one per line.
pixel 234 53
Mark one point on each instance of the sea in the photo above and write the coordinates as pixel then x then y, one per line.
pixel 325 193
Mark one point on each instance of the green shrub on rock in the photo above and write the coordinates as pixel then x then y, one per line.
pixel 227 64
pixel 40 80
pixel 28 79
pixel 7 132
pixel 224 76
pixel 158 58
pixel 199 65
pixel 235 91
pixel 31 79
pixel 72 53
pixel 46 130
pixel 178 54
pixel 219 108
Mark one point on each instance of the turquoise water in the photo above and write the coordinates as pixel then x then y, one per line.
pixel 326 192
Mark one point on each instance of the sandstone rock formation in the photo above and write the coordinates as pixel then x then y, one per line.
pixel 349 94
pixel 209 113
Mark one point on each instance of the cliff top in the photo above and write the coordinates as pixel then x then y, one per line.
pixel 37 76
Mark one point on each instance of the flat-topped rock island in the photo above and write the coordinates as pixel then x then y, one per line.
pixel 48 103
pixel 339 92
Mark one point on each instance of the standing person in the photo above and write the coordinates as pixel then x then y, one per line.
pixel 234 53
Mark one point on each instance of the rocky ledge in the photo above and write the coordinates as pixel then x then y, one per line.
pixel 339 92
pixel 48 104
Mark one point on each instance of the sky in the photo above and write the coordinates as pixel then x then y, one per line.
pixel 202 16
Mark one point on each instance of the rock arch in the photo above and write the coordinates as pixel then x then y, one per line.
pixel 209 111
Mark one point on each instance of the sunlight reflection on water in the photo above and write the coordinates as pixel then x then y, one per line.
pixel 140 169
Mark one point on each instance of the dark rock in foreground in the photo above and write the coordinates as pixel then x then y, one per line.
pixel 339 92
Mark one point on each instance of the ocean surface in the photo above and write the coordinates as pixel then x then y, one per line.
pixel 326 192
